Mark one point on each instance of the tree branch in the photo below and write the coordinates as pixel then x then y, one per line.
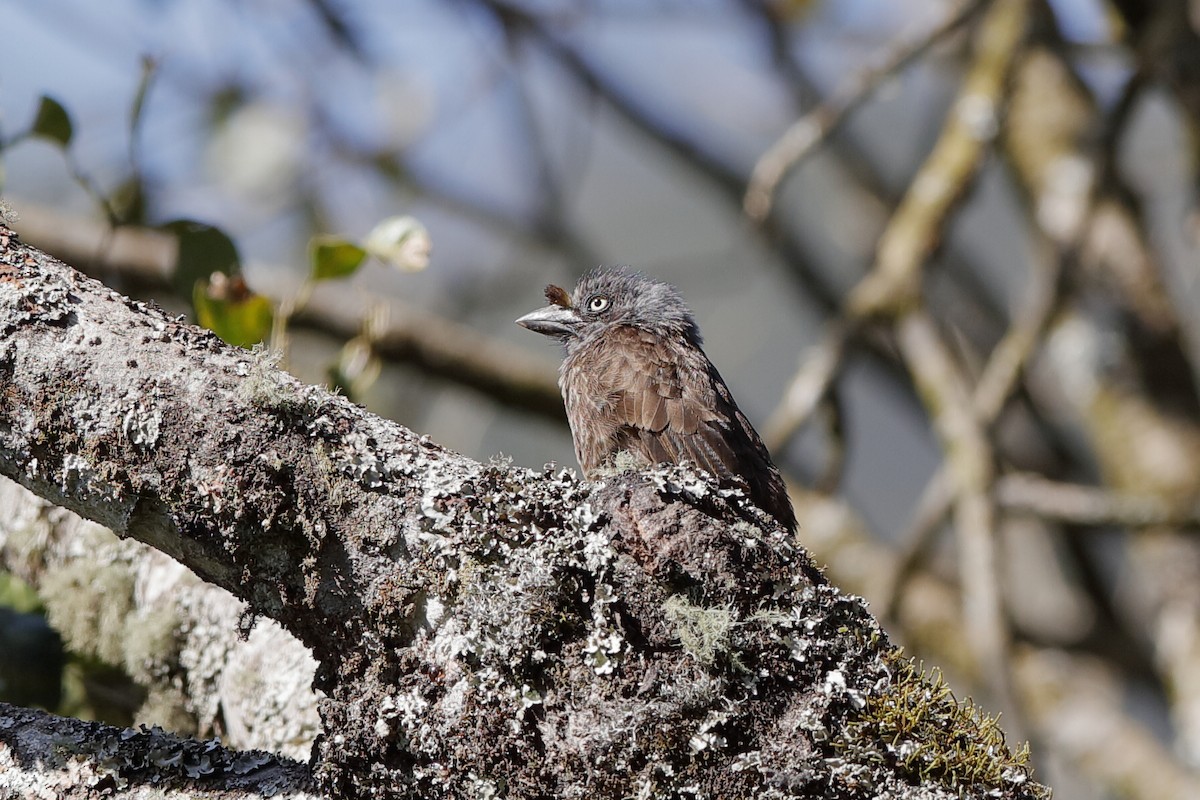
pixel 182 641
pixel 1075 504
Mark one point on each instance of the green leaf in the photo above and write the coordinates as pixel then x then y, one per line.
pixel 333 257
pixel 203 250
pixel 52 122
pixel 240 317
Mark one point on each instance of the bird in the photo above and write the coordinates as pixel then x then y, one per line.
pixel 635 379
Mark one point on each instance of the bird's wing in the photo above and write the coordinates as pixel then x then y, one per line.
pixel 664 401
pixel 668 404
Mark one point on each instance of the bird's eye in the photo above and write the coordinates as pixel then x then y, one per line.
pixel 597 304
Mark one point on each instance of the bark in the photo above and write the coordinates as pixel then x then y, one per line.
pixel 479 630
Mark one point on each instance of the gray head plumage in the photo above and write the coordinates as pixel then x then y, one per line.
pixel 608 296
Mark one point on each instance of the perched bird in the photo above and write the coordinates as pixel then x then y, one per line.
pixel 635 380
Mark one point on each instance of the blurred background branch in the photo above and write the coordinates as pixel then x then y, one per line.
pixel 808 133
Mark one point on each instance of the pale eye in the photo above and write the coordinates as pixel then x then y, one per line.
pixel 597 304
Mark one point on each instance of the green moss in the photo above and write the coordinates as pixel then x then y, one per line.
pixel 918 726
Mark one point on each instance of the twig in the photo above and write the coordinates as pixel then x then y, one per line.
pixel 807 387
pixel 1077 504
pixel 970 475
pixel 830 478
pixel 917 539
pixel 804 136
pixel 641 116
pixel 851 156
pixel 447 349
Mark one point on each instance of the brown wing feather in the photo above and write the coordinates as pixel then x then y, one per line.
pixel 664 402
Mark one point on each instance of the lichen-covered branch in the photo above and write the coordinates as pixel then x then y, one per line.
pixel 478 628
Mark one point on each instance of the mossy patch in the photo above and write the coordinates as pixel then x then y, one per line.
pixel 930 736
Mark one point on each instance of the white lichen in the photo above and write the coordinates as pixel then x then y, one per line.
pixel 601 650
pixel 707 736
pixel 142 425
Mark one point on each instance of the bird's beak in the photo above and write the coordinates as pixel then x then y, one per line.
pixel 551 321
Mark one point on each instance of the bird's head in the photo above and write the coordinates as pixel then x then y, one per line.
pixel 608 297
